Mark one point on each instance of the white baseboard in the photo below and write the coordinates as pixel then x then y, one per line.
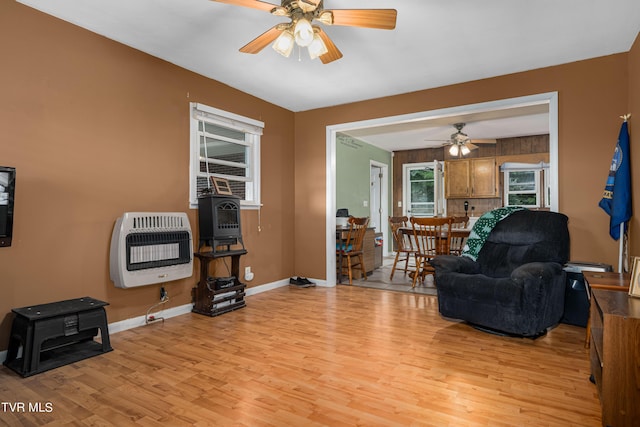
pixel 168 313
pixel 266 287
pixel 135 322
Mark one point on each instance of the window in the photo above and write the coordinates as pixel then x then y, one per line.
pixel 521 188
pixel 423 189
pixel 523 185
pixel 224 145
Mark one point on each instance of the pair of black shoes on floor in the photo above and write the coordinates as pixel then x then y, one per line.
pixel 301 282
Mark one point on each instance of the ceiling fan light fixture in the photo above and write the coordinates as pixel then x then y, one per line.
pixel 279 11
pixel 308 5
pixel 326 17
pixel 303 32
pixel 459 137
pixel 464 150
pixel 317 47
pixel 284 44
pixel 454 150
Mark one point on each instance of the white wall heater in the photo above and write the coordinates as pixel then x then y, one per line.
pixel 149 248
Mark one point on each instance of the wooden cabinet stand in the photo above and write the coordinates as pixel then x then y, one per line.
pixel 212 300
pixel 615 355
pixel 56 334
pixel 372 254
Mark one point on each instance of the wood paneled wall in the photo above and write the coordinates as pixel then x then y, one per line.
pixel 518 149
pixel 522 145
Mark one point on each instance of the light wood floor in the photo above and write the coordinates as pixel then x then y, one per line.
pixel 344 356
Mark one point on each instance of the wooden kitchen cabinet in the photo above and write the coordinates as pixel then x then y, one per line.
pixel 471 178
pixel 457 179
pixel 484 178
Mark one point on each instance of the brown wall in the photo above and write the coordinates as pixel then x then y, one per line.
pixel 95 129
pixel 592 96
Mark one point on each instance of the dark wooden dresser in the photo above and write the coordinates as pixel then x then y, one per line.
pixel 615 356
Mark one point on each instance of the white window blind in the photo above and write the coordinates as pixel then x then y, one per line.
pixel 513 166
pixel 225 145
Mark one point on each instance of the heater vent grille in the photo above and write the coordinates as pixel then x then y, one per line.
pixel 146 222
pixel 149 248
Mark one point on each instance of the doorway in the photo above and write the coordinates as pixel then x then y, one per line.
pixel 379 195
pixel 550 99
pixel 379 200
pixel 423 189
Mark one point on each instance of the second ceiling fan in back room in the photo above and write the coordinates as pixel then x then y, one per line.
pixel 301 31
pixel 460 144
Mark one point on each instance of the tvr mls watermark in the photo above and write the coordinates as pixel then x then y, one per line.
pixel 44 407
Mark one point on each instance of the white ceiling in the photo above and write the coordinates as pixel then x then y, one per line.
pixel 435 43
pixel 435 132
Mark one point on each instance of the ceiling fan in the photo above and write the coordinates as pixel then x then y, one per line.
pixel 460 143
pixel 301 31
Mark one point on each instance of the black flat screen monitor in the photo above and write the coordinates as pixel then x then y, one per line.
pixel 7 193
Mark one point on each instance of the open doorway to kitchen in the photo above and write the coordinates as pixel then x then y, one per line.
pixel 506 108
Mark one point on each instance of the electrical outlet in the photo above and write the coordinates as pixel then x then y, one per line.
pixel 248 275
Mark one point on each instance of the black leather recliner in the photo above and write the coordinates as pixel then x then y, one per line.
pixel 517 284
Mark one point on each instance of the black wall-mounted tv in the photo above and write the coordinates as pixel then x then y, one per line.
pixel 7 193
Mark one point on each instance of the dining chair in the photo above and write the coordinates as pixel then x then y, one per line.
pixel 349 250
pixel 404 247
pixel 459 234
pixel 432 238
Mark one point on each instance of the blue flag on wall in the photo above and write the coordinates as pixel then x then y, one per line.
pixel 616 200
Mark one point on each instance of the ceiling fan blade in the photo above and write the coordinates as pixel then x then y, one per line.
pixel 471 146
pixel 262 41
pixel 384 19
pixel 333 53
pixel 254 4
pixel 484 141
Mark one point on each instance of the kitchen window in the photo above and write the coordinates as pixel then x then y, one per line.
pixel 525 184
pixel 224 145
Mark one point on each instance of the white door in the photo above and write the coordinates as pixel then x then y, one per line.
pixel 379 200
pixel 375 198
pixel 423 189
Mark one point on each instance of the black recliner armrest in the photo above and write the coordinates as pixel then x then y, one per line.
pixel 535 270
pixel 457 264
